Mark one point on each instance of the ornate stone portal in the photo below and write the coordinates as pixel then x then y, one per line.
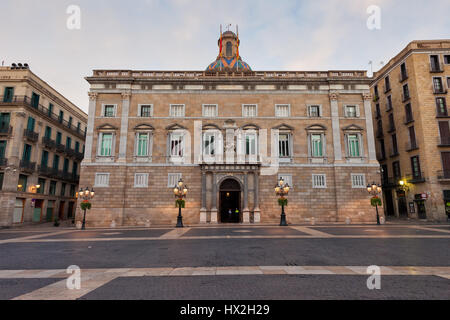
pixel 214 176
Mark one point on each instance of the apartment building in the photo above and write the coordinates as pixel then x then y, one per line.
pixel 411 121
pixel 42 138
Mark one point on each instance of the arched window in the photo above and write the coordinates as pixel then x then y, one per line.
pixel 229 49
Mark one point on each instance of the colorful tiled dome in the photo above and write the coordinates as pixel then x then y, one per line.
pixel 228 64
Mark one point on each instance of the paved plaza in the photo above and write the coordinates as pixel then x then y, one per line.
pixel 227 262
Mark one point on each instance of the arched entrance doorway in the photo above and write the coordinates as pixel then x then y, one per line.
pixel 230 201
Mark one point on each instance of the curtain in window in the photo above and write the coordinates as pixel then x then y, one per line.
pixel 142 145
pixel 176 145
pixel 106 144
pixel 250 144
pixel 353 145
pixel 208 144
pixel 284 145
pixel 316 145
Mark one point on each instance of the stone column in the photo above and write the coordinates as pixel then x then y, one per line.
pixel 124 126
pixel 334 96
pixel 90 127
pixel 203 209
pixel 246 212
pixel 256 211
pixel 214 213
pixel 369 126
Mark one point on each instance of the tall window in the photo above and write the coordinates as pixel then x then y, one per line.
pixel 106 144
pixel 50 109
pixel 8 95
pixel 251 144
pixel 2 149
pixel 210 110
pixel 69 142
pixel 142 146
pixel 177 110
pixel 437 85
pixel 284 145
pixel 405 92
pixel 52 189
pixel 209 144
pixel 394 145
pixel 26 153
pixel 412 138
pixel 77 146
pixel 415 166
pixel 48 132
pixel 4 120
pixel 441 106
pixel 70 122
pixel 387 84
pixel 58 138
pixel 63 190
pixel 35 100
pixel 229 49
pixel 408 113
pixel 44 159
pixel 66 166
pixel 176 144
pixel 249 110
pixel 391 122
pixel 396 169
pixel 61 116
pixel 389 103
pixel 316 145
pixel 55 162
pixel 282 110
pixel 31 124
pixel 1 180
pixel 353 145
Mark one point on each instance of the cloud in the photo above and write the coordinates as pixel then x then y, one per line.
pixel 182 35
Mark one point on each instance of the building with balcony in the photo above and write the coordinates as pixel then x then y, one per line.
pixel 42 138
pixel 410 102
pixel 230 133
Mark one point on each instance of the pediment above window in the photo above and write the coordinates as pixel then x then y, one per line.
pixel 353 127
pixel 284 127
pixel 211 126
pixel 107 127
pixel 250 126
pixel 144 127
pixel 175 126
pixel 316 127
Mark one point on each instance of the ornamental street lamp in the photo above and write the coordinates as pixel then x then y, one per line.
pixel 282 190
pixel 86 195
pixel 180 191
pixel 375 190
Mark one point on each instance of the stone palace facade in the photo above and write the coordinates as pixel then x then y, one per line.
pixel 230 133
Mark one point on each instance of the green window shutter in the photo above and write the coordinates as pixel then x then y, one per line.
pixel 66 165
pixel 142 144
pixel 8 95
pixel 44 159
pixel 35 100
pixel 2 149
pixel 48 132
pixel 31 124
pixel 77 146
pixel 55 162
pixel 58 137
pixel 26 153
pixel 4 120
pixel 50 109
pixel 68 142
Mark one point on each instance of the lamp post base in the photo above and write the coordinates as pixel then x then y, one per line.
pixel 180 219
pixel 83 227
pixel 283 222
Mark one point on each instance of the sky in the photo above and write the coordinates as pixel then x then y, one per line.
pixel 182 35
